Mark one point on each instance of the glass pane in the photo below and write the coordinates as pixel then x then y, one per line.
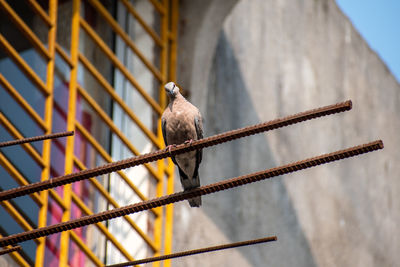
pixel 8 226
pixel 23 85
pixel 29 17
pixel 21 160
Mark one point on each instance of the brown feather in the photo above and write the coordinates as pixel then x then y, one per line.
pixel 181 121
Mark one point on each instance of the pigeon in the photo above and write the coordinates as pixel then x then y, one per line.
pixel 181 122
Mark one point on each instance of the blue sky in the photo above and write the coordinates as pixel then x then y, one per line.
pixel 378 21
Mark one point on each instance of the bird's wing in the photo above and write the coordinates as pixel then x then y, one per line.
pixel 199 131
pixel 164 133
pixel 198 124
pixel 164 130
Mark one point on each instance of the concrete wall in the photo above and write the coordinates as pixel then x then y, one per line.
pixel 271 59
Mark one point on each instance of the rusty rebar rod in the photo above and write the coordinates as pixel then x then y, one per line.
pixel 9 250
pixel 203 190
pixel 196 251
pixel 198 144
pixel 36 138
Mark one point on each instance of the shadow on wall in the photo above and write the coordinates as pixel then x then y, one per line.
pixel 255 210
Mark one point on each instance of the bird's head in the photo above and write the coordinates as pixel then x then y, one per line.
pixel 171 89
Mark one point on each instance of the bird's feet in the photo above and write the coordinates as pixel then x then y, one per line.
pixel 169 148
pixel 190 141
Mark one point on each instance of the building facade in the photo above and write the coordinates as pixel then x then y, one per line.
pixel 96 68
pixel 246 62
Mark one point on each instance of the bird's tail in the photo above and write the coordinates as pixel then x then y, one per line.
pixel 195 202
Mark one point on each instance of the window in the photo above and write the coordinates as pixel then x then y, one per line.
pixel 98 68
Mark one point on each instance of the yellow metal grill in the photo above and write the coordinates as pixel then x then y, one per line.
pixel 105 66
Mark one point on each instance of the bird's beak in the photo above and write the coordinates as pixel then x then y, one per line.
pixel 170 90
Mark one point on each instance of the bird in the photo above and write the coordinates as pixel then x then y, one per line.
pixel 181 122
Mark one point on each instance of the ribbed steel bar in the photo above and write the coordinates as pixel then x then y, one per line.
pixel 197 251
pixel 160 154
pixel 9 250
pixel 36 138
pixel 180 196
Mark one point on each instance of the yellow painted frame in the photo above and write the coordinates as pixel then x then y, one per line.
pixel 163 173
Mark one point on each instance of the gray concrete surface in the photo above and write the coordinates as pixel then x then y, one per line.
pixel 275 58
pixel 6 261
